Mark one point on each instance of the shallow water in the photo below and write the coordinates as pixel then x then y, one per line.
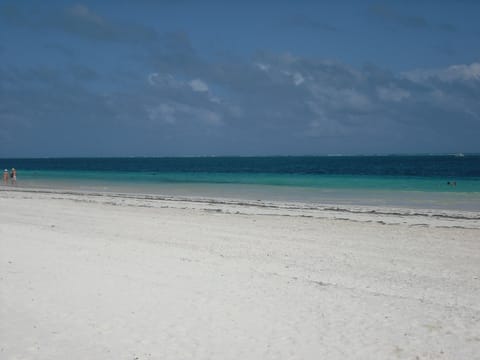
pixel 405 192
pixel 403 181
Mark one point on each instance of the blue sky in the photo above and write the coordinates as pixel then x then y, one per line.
pixel 176 78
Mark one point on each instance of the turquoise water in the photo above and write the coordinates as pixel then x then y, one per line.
pixel 401 191
pixel 288 180
pixel 406 181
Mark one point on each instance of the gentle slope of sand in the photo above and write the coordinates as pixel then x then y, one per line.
pixel 91 276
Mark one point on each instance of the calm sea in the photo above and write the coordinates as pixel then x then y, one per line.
pixel 413 181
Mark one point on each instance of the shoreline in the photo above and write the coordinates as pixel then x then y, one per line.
pixel 362 213
pixel 345 190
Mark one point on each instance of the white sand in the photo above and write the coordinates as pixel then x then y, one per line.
pixel 112 277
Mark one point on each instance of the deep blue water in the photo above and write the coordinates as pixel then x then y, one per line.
pixel 419 166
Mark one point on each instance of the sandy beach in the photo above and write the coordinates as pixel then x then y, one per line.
pixel 110 276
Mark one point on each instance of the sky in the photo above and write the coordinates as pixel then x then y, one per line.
pixel 212 78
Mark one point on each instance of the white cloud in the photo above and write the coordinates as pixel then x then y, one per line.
pixel 338 99
pixel 83 12
pixel 198 85
pixel 169 81
pixel 392 93
pixel 298 79
pixel 215 100
pixel 174 112
pixel 288 58
pixel 151 78
pixel 263 67
pixel 162 112
pixel 164 80
pixel 461 72
pixel 196 113
pixel 356 100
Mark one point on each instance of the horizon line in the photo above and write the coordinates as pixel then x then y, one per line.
pixel 455 154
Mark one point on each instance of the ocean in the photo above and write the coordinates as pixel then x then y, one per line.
pixel 442 182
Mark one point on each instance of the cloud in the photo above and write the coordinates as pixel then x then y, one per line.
pixel 173 112
pixel 198 85
pixel 263 67
pixel 461 73
pixel 392 93
pixel 164 81
pixel 268 104
pixel 298 79
pixel 385 12
pixel 174 51
pixel 314 105
pixel 169 82
pixel 78 20
pixel 163 112
pixel 82 12
pixel 82 21
pixel 43 112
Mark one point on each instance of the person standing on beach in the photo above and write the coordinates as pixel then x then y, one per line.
pixel 5 176
pixel 13 174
